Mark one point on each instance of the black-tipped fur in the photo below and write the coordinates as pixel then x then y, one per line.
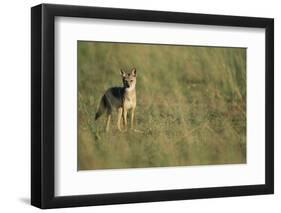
pixel 122 99
pixel 102 108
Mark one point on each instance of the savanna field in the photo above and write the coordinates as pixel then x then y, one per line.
pixel 191 106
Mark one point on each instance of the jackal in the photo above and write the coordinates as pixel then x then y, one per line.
pixel 121 98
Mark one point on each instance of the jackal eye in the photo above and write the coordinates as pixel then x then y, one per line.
pixel 131 81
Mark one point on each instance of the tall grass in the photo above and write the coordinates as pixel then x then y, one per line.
pixel 191 105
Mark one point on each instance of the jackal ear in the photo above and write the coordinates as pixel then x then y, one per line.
pixel 123 74
pixel 134 72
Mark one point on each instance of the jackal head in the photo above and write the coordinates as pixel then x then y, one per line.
pixel 129 79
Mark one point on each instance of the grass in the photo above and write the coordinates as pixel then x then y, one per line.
pixel 191 106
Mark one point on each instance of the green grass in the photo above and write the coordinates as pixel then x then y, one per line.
pixel 191 106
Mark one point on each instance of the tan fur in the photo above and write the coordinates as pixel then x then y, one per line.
pixel 123 99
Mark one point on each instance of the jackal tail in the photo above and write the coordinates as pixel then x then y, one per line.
pixel 102 107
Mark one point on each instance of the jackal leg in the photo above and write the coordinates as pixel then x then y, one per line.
pixel 119 116
pixel 125 118
pixel 132 118
pixel 108 122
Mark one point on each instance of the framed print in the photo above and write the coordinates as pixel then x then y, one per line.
pixel 139 106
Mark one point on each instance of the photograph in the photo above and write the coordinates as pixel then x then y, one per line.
pixel 160 105
pixel 139 105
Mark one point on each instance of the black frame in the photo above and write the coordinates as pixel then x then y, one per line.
pixel 43 102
